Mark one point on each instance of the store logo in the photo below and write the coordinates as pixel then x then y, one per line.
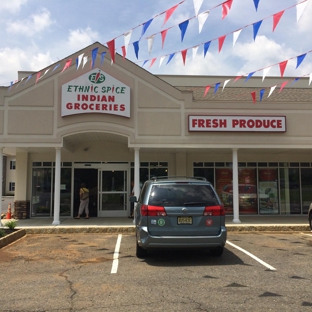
pixel 97 78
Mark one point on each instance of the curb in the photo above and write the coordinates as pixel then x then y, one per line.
pixel 131 229
pixel 10 238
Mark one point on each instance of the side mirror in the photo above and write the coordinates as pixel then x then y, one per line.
pixel 133 199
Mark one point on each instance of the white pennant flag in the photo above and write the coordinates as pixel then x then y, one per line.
pixel 127 37
pixel 45 72
pixel 161 60
pixel 235 36
pixel 202 17
pixel 150 42
pixel 79 60
pixel 300 8
pixel 225 83
pixel 265 72
pixel 85 60
pixel 271 90
pixel 197 5
pixel 194 51
pixel 310 79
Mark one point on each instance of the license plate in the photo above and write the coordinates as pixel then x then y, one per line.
pixel 185 220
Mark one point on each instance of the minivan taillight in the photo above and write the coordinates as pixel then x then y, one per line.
pixel 214 211
pixel 153 211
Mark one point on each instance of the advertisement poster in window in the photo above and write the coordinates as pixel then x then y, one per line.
pixel 268 193
pixel 224 189
pixel 248 197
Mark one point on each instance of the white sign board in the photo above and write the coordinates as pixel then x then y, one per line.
pixel 238 123
pixel 95 92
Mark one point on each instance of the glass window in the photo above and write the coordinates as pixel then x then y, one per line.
pixel 306 187
pixel 12 164
pixel 12 186
pixel 289 191
pixel 41 191
pixel 207 173
pixel 268 191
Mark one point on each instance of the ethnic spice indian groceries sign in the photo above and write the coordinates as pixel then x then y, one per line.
pixel 238 123
pixel 95 92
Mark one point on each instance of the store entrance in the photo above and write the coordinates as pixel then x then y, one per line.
pixel 109 186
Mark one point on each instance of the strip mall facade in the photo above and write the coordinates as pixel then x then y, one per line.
pixel 108 125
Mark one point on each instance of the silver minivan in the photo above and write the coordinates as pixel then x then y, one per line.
pixel 179 212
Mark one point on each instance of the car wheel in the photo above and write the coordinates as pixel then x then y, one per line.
pixel 310 220
pixel 217 252
pixel 140 252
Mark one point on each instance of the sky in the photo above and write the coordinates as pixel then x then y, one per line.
pixel 38 33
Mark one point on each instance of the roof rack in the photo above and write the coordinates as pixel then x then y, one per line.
pixel 156 178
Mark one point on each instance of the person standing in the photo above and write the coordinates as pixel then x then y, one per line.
pixel 84 201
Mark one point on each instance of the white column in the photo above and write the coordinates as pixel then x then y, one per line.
pixel 57 187
pixel 1 174
pixel 136 172
pixel 235 188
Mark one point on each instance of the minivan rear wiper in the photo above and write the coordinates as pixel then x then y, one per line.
pixel 194 203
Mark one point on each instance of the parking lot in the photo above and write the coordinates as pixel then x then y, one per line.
pixel 100 272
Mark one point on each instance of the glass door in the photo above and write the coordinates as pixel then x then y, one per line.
pixel 113 192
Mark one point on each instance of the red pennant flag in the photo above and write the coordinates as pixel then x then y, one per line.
pixel 111 47
pixel 237 78
pixel 276 19
pixel 206 90
pixel 169 13
pixel 226 7
pixel 253 95
pixel 67 64
pixel 184 52
pixel 38 76
pixel 123 49
pixel 152 62
pixel 282 66
pixel 283 86
pixel 221 41
pixel 163 37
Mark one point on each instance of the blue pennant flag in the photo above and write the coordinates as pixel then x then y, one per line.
pixel 94 55
pixel 136 48
pixel 300 58
pixel 206 47
pixel 216 87
pixel 256 4
pixel 145 26
pixel 144 63
pixel 256 27
pixel 183 27
pixel 102 57
pixel 249 75
pixel 170 57
pixel 261 94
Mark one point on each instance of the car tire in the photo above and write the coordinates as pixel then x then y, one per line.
pixel 140 252
pixel 217 252
pixel 310 220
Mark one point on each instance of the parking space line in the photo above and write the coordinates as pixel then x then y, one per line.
pixel 252 256
pixel 116 255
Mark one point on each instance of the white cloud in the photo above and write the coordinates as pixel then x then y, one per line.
pixel 36 23
pixel 12 6
pixel 80 38
pixel 14 60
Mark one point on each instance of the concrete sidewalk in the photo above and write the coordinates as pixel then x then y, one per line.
pixel 125 225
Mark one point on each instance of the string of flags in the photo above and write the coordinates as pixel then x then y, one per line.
pixel 206 45
pixel 82 59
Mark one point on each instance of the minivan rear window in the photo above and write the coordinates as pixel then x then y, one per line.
pixel 182 194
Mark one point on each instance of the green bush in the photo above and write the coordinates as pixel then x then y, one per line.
pixel 2 233
pixel 11 224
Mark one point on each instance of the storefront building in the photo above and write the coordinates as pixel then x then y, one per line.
pixel 110 124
